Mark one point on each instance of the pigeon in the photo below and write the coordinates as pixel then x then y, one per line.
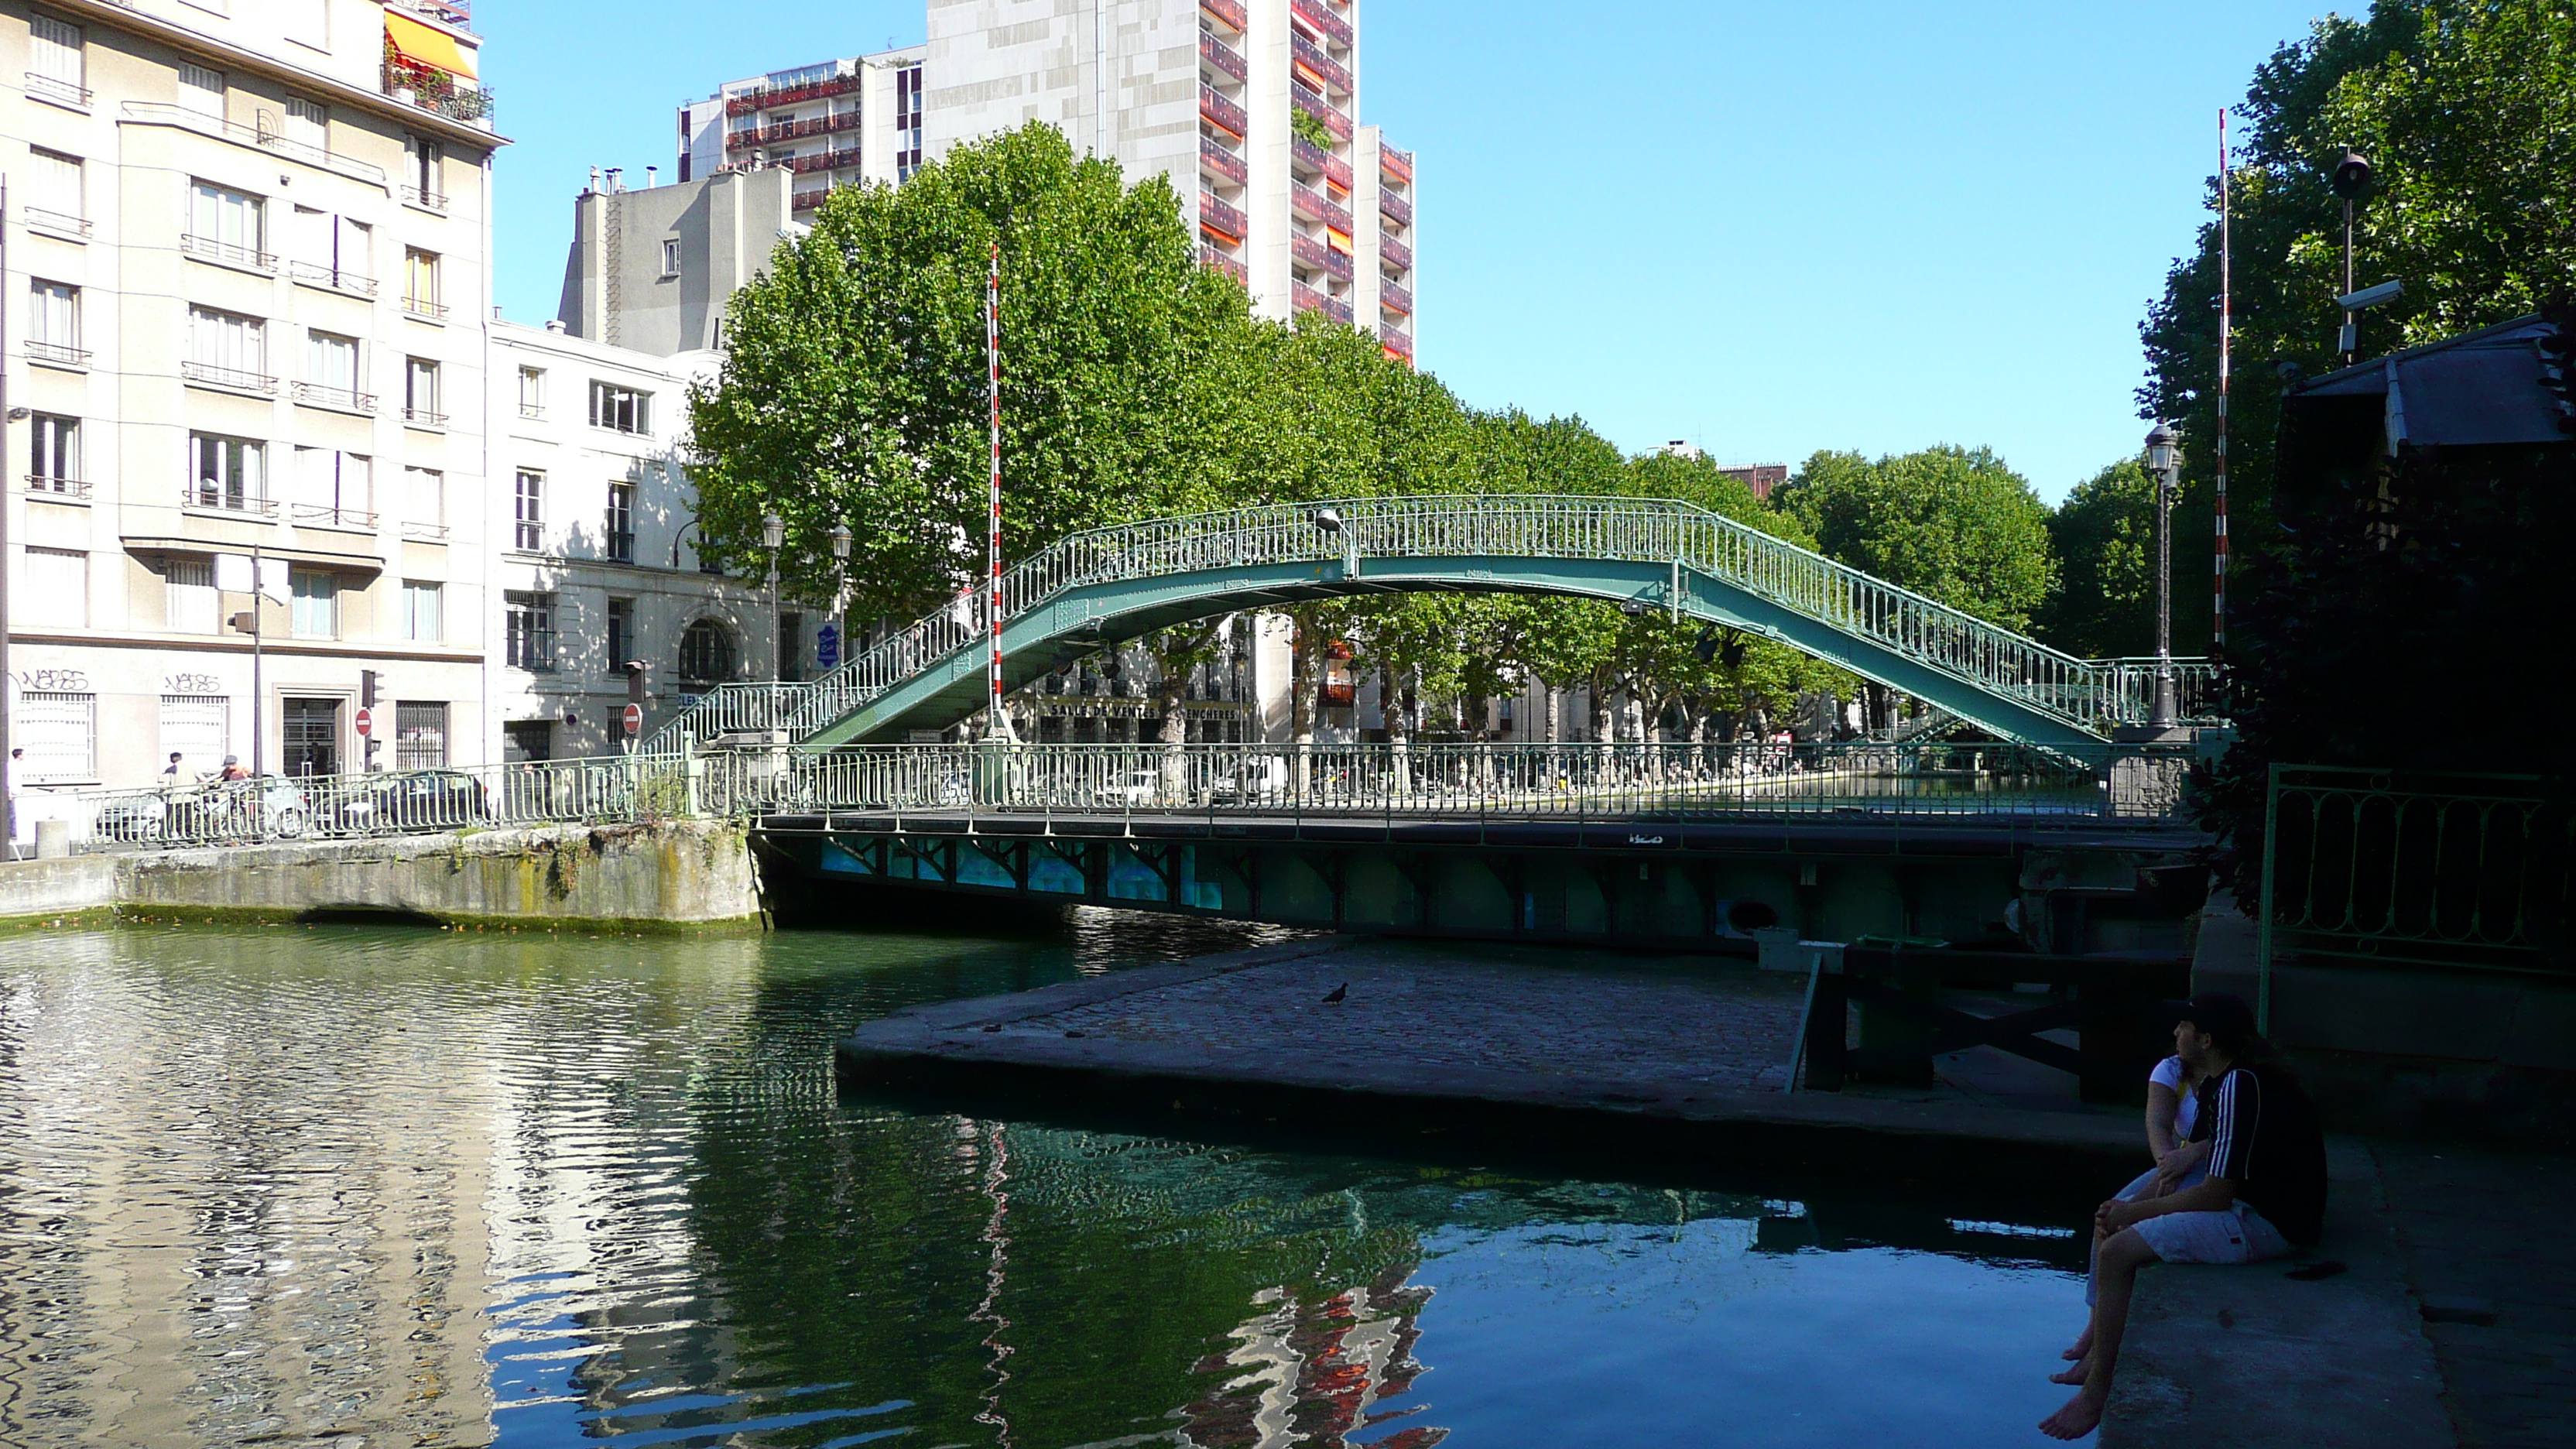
pixel 1337 994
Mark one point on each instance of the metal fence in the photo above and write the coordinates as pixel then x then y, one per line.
pixel 2464 872
pixel 2089 694
pixel 1583 781
pixel 618 789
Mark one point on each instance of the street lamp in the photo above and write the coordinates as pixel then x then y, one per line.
pixel 773 536
pixel 2164 459
pixel 2350 180
pixel 840 573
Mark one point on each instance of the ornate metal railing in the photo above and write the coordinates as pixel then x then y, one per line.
pixel 2086 694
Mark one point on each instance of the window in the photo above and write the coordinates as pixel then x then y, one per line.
pixel 424 503
pixel 228 225
pixel 201 90
pixel 530 621
pixel 227 473
pixel 529 531
pixel 907 122
pixel 308 123
pixel 670 256
pixel 527 739
pixel 334 251
pixel 532 392
pixel 55 183
pixel 420 283
pixel 190 605
pixel 791 646
pixel 621 634
pixel 313 604
pixel 53 590
pixel 331 371
pixel 621 521
pixel 59 732
pixel 706 653
pixel 53 322
pixel 198 729
pixel 624 409
pixel 54 53
pixel 53 456
pixel 420 393
pixel 421 187
pixel 312 737
pixel 227 349
pixel 334 488
pixel 424 618
pixel 420 735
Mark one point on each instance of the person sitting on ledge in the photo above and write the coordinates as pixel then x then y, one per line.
pixel 2266 1191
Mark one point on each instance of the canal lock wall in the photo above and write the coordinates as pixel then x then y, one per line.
pixel 673 876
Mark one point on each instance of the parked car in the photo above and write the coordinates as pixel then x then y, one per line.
pixel 412 800
pixel 1131 789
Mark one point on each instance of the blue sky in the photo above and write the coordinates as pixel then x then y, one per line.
pixel 1769 229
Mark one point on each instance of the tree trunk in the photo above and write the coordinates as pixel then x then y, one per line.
pixel 1549 705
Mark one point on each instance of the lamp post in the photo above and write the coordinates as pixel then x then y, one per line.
pixel 2350 180
pixel 773 536
pixel 2164 460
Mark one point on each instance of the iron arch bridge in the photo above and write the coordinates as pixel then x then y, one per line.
pixel 1117 583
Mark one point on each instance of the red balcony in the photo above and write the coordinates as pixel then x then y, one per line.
pixel 1302 152
pixel 1303 298
pixel 1228 11
pixel 1328 74
pixel 1220 164
pixel 1221 113
pixel 1218 219
pixel 1315 206
pixel 1397 345
pixel 817 126
pixel 1395 209
pixel 1316 17
pixel 1395 253
pixel 1218 261
pixel 1395 299
pixel 1396 166
pixel 1322 110
pixel 823 161
pixel 1222 57
pixel 765 97
pixel 808 200
pixel 1322 258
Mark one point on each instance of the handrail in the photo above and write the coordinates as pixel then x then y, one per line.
pixel 2083 693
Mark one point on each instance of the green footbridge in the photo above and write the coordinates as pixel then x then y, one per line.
pixel 1117 583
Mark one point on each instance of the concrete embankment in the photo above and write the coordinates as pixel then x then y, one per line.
pixel 669 877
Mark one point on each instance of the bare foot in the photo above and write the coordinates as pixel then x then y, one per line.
pixel 2083 1346
pixel 2075 1376
pixel 2081 1416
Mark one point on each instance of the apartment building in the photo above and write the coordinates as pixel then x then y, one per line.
pixel 655 270
pixel 246 265
pixel 598 565
pixel 831 124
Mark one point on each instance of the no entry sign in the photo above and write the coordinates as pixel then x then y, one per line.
pixel 366 722
pixel 633 716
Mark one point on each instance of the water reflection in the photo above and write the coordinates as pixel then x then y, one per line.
pixel 426 1189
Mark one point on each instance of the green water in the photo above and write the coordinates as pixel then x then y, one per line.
pixel 377 1186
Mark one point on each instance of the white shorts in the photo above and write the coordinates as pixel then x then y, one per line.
pixel 2238 1235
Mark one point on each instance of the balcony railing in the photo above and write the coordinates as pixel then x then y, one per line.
pixel 347 399
pixel 824 161
pixel 1223 57
pixel 1322 110
pixel 423 307
pixel 1395 253
pixel 1229 11
pixel 238 379
pixel 163 113
pixel 1218 260
pixel 1322 258
pixel 71 95
pixel 1395 209
pixel 1215 160
pixel 1220 218
pixel 1217 111
pixel 1338 309
pixel 1395 165
pixel 54 487
pixel 437 92
pixel 424 418
pixel 332 515
pixel 1307 299
pixel 534 411
pixel 230 252
pixel 1319 18
pixel 424 198
pixel 315 274
pixel 750 136
pixel 224 500
pixel 1331 73
pixel 1395 299
pixel 765 97
pixel 808 200
pixel 425 532
pixel 1315 206
pixel 57 354
pixel 1302 152
pixel 56 221
pixel 1398 344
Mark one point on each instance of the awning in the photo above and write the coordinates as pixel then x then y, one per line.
pixel 355 563
pixel 429 46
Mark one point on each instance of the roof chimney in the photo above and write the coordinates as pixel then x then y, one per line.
pixel 594 178
pixel 650 172
pixel 617 178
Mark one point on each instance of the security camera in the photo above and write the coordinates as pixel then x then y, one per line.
pixel 2369 297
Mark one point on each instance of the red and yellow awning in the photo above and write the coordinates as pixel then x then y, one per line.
pixel 428 45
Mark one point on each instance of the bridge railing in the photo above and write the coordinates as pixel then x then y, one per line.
pixel 1581 781
pixel 2085 693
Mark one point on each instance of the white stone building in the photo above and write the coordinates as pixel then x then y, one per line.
pixel 830 124
pixel 246 267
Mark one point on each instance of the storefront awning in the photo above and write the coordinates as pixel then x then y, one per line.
pixel 428 46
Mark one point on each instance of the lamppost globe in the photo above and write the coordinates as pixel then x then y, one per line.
pixel 840 543
pixel 2162 442
pixel 1328 519
pixel 773 531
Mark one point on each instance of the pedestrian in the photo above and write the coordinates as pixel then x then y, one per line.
pixel 170 771
pixel 9 808
pixel 233 770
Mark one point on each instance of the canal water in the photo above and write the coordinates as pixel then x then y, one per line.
pixel 398 1186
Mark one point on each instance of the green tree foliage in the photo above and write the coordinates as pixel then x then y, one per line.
pixel 2467 111
pixel 1953 524
pixel 853 391
pixel 2104 535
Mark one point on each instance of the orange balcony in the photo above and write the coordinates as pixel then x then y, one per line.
pixel 1218 261
pixel 1315 206
pixel 765 97
pixel 1221 113
pixel 1395 209
pixel 1220 164
pixel 1395 253
pixel 817 126
pixel 1321 257
pixel 1223 58
pixel 1221 220
pixel 1394 165
pixel 1320 20
pixel 1395 299
pixel 1322 110
pixel 1305 153
pixel 1327 74
pixel 1228 11
pixel 1397 345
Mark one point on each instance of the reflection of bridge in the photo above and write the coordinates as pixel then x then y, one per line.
pixel 1118 583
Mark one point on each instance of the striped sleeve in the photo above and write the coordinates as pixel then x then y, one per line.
pixel 2235 1124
